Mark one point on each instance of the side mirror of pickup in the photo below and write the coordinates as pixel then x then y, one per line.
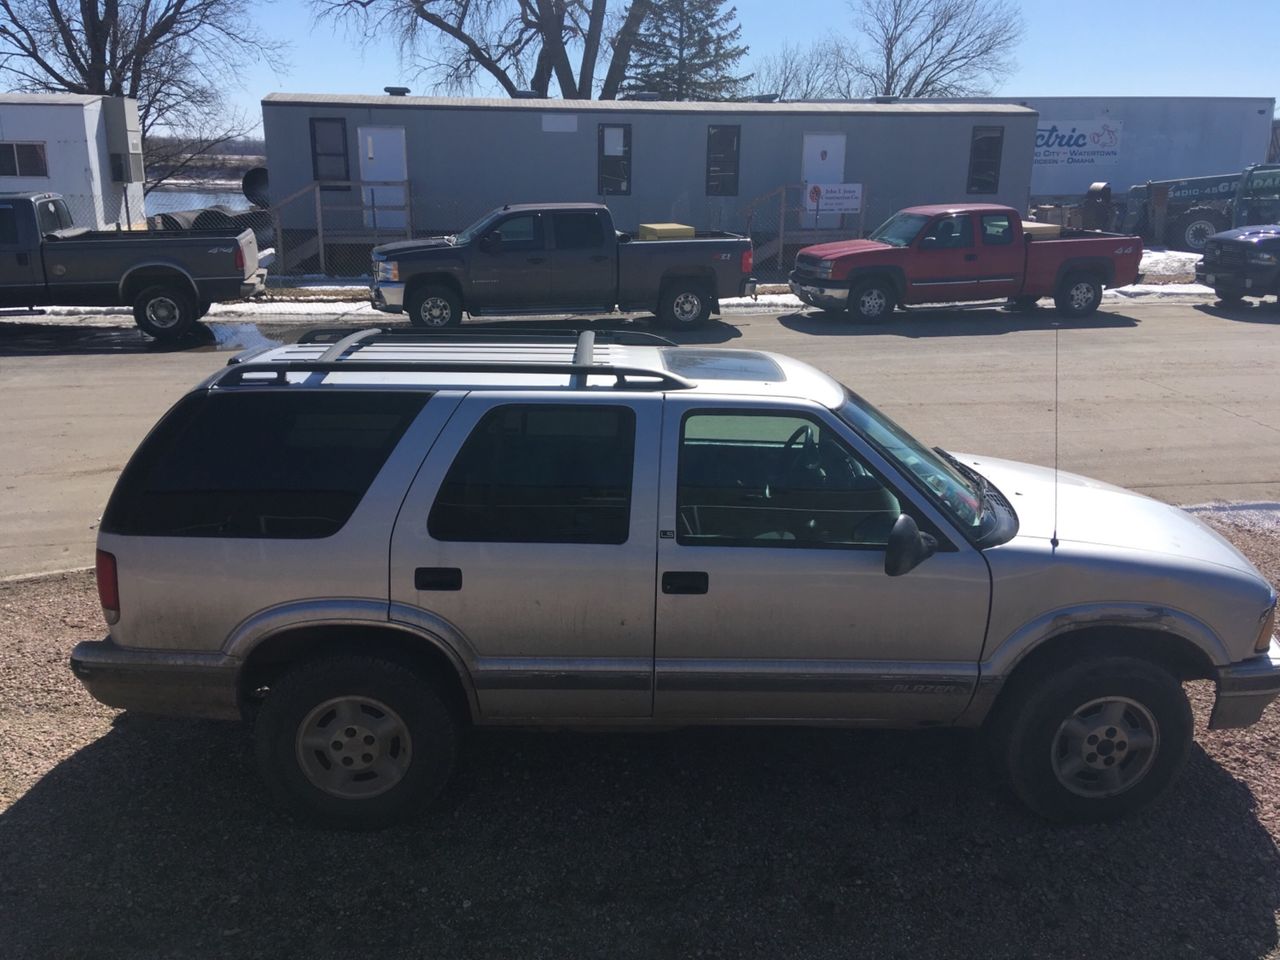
pixel 491 242
pixel 929 243
pixel 624 237
pixel 907 547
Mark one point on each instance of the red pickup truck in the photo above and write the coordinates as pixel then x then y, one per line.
pixel 964 252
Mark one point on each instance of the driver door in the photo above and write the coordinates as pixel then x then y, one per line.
pixel 509 268
pixel 944 262
pixel 772 600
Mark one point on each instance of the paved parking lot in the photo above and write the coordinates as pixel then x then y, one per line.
pixel 1181 401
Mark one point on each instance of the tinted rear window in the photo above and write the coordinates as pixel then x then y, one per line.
pixel 259 465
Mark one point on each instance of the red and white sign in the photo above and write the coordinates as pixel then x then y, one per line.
pixel 833 197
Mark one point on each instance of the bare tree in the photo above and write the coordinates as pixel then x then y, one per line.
pixel 932 48
pixel 519 44
pixel 175 57
pixel 817 72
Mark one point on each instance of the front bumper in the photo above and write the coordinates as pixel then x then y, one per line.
pixel 164 682
pixel 387 296
pixel 825 294
pixel 1246 688
pixel 254 283
pixel 1248 280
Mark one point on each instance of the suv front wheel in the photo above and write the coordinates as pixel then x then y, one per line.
pixel 1094 740
pixel 355 742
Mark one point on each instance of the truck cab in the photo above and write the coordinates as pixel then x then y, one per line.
pixel 1257 199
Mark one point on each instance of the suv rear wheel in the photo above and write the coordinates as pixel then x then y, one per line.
pixel 355 742
pixel 165 311
pixel 1095 740
pixel 1079 295
pixel 435 307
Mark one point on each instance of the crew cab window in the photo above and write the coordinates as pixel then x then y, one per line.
pixel 997 231
pixel 53 215
pixel 770 480
pixel 541 473
pixel 949 233
pixel 259 465
pixel 520 233
pixel 578 230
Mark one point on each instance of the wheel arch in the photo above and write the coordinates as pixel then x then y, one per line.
pixel 143 275
pixel 1103 268
pixel 702 274
pixel 891 275
pixel 444 279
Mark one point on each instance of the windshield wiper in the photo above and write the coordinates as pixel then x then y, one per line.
pixel 984 485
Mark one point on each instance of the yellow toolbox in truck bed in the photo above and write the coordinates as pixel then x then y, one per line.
pixel 665 231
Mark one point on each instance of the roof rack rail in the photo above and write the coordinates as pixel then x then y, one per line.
pixel 279 369
pixel 632 338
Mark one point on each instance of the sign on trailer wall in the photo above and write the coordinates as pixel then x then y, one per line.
pixel 833 197
pixel 1078 143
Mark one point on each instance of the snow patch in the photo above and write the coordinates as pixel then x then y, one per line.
pixel 1160 291
pixel 1168 263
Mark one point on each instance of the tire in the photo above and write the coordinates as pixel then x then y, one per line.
pixel 685 304
pixel 165 311
pixel 1228 299
pixel 435 307
pixel 1079 295
pixel 872 301
pixel 202 309
pixel 348 699
pixel 1071 777
pixel 1193 228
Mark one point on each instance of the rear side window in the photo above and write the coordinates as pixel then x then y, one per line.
pixel 259 465
pixel 541 474
pixel 997 231
pixel 578 230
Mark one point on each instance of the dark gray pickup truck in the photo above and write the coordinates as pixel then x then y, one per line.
pixel 170 279
pixel 558 258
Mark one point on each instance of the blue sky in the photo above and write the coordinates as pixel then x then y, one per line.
pixel 1071 47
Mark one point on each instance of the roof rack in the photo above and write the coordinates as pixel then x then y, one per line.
pixel 337 359
pixel 630 338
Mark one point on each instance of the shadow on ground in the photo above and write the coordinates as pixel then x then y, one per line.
pixel 919 322
pixel 1246 311
pixel 155 841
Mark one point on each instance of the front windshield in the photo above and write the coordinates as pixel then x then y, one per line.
pixel 958 494
pixel 900 229
pixel 1263 184
pixel 476 229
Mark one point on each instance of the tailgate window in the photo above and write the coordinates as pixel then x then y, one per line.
pixel 259 465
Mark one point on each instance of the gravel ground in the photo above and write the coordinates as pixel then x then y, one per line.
pixel 124 836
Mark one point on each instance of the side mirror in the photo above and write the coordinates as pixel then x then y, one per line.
pixel 624 237
pixel 907 547
pixel 929 243
pixel 491 242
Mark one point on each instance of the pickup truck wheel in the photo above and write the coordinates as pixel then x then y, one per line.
pixel 166 312
pixel 1096 740
pixel 685 303
pixel 1228 299
pixel 1079 295
pixel 435 307
pixel 355 742
pixel 871 301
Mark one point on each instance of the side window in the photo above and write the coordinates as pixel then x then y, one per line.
pixel 578 230
pixel 614 159
pixel 949 233
pixel 541 473
pixel 52 216
pixel 984 159
pixel 771 480
pixel 519 233
pixel 8 225
pixel 996 230
pixel 329 159
pixel 722 160
pixel 259 465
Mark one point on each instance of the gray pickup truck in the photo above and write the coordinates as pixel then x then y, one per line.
pixel 558 258
pixel 170 279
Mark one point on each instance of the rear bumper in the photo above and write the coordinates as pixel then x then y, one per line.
pixel 825 294
pixel 748 287
pixel 255 283
pixel 387 296
pixel 1246 688
pixel 150 681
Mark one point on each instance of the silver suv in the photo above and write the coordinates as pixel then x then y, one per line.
pixel 365 544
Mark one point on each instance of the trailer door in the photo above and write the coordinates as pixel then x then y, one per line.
pixel 384 172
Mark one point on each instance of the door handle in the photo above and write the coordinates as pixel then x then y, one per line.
pixel 685 581
pixel 537 259
pixel 437 578
pixel 971 256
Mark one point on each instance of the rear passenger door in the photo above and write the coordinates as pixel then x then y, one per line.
pixel 584 262
pixel 527 544
pixel 773 602
pixel 1001 261
pixel 943 263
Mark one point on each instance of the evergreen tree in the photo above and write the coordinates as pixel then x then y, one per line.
pixel 687 50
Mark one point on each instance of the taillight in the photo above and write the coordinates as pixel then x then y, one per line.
pixel 239 257
pixel 108 585
pixel 748 260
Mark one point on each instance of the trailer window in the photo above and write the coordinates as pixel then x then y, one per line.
pixel 722 161
pixel 23 160
pixel 329 159
pixel 614 159
pixel 984 159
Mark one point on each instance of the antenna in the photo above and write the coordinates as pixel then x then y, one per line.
pixel 1053 542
